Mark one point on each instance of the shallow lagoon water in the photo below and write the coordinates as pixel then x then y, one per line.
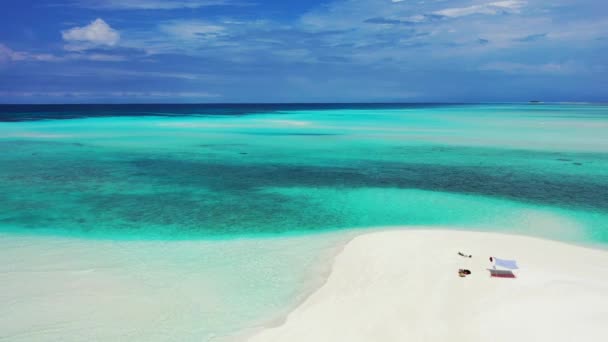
pixel 222 176
pixel 247 178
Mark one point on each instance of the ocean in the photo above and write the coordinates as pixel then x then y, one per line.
pixel 233 171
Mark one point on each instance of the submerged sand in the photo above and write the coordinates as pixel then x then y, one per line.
pixel 69 289
pixel 403 286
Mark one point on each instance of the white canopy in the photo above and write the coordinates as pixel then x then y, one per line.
pixel 504 263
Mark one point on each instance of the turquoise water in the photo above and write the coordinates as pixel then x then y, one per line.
pixel 204 173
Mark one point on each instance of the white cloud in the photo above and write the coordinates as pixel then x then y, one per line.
pixel 189 30
pixel 164 94
pixel 488 8
pixel 148 4
pixel 100 57
pixel 97 33
pixel 112 94
pixel 122 73
pixel 9 55
pixel 547 68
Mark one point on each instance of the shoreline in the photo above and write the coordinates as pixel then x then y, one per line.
pixel 353 305
pixel 353 232
pixel 145 274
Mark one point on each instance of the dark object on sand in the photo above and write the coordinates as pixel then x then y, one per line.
pixel 463 272
pixel 465 255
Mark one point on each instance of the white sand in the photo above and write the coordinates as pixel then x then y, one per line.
pixel 403 286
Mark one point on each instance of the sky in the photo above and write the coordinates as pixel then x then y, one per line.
pixel 198 51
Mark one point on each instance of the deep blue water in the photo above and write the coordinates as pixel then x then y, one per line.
pixel 10 113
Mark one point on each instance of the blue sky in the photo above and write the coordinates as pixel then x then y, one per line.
pixel 123 51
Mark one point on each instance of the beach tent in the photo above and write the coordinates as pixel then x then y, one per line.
pixel 504 263
pixel 507 268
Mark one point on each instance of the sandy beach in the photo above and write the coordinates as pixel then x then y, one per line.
pixel 385 285
pixel 403 286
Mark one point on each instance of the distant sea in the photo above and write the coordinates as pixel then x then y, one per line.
pixel 263 170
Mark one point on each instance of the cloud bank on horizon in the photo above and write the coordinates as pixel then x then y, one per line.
pixel 314 51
